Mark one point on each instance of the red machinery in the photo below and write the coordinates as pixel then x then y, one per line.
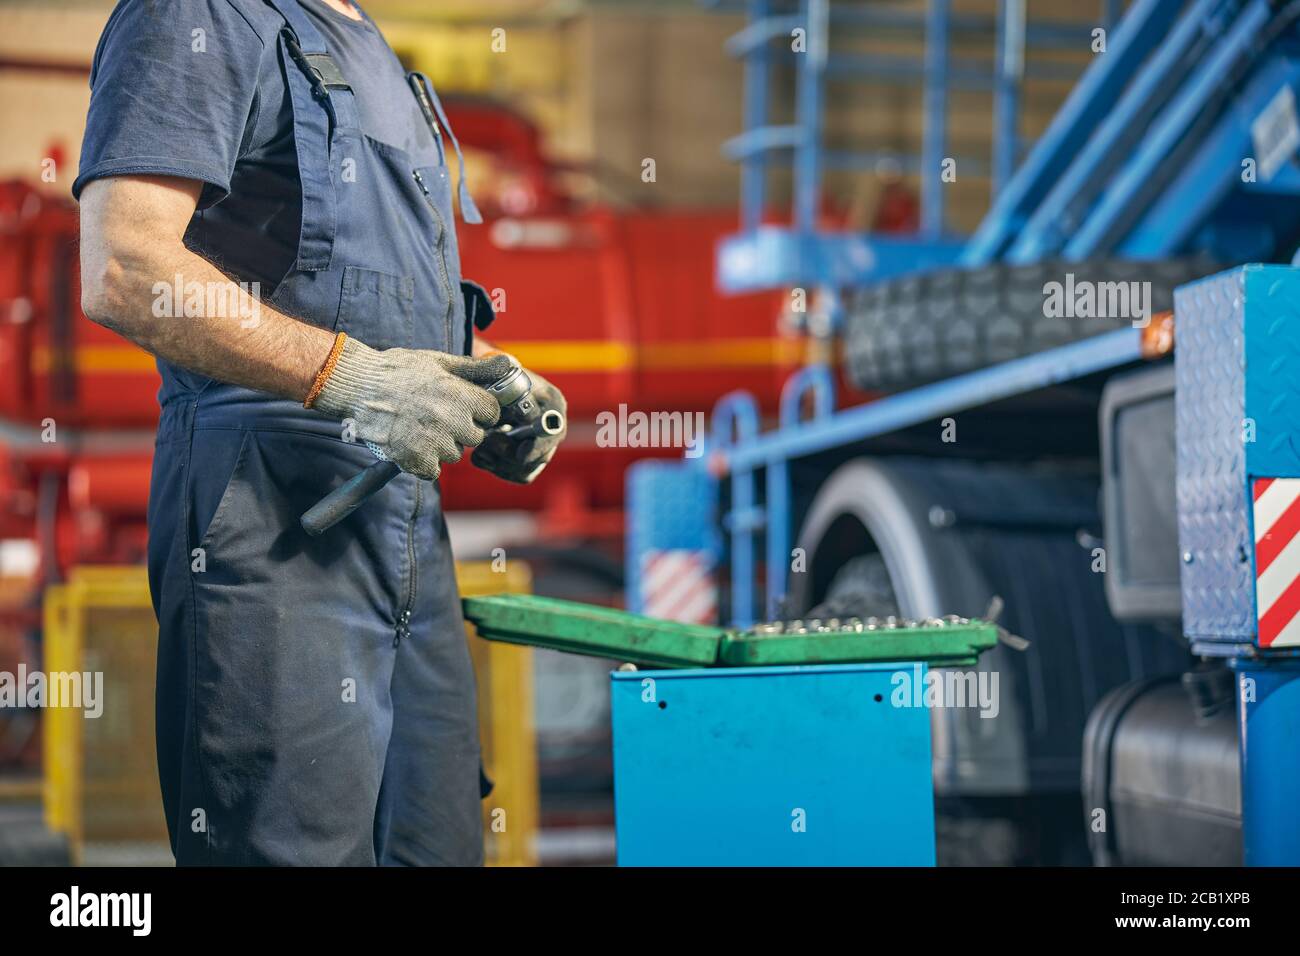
pixel 614 307
pixel 76 403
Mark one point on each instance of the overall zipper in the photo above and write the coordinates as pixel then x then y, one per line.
pixel 404 619
pixel 442 252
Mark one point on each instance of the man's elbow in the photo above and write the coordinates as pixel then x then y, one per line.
pixel 105 290
pixel 132 230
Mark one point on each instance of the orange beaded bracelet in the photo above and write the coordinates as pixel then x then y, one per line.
pixel 323 375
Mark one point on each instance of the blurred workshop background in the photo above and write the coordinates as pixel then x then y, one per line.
pixel 610 291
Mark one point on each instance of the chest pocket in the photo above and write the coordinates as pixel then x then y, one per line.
pixel 377 308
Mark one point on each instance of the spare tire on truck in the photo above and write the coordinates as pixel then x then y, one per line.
pixel 920 328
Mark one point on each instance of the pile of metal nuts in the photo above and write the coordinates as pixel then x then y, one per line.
pixel 835 625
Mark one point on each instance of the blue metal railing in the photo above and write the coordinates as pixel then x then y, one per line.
pixel 800 31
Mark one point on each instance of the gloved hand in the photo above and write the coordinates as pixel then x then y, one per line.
pixel 420 407
pixel 522 461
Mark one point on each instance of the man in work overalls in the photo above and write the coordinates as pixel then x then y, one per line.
pixel 315 700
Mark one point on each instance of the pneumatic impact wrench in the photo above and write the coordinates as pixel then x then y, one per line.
pixel 521 419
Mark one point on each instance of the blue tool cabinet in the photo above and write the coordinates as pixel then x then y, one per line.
pixel 773 766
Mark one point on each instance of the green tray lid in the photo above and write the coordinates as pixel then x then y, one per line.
pixel 592 630
pixel 606 632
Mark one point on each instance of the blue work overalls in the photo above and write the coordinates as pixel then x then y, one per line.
pixel 316 701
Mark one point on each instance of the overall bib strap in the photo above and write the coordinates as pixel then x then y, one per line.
pixel 323 106
pixel 468 211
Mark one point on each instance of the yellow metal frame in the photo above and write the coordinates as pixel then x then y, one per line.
pixel 505 696
pixel 65 611
pixel 511 814
pixel 60 740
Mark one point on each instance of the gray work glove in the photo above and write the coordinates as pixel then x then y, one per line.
pixel 419 407
pixel 522 461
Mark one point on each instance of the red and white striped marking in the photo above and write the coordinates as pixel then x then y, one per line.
pixel 677 585
pixel 1277 560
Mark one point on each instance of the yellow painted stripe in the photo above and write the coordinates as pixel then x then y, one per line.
pixel 597 355
pixel 102 359
pixel 574 355
pixel 583 355
pixel 712 353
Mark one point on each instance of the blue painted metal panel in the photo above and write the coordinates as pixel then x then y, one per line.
pixel 1212 173
pixel 718 768
pixel 772 257
pixel 1272 348
pixel 1285 182
pixel 670 504
pixel 1268 706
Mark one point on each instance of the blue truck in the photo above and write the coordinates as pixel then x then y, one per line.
pixel 1041 448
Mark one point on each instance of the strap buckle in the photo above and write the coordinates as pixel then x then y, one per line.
pixel 320 68
pixel 327 71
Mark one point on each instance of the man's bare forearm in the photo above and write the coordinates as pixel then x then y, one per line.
pixel 177 305
pixel 248 343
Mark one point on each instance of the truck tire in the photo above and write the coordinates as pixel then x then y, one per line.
pixel 920 328
pixel 861 588
pixel 926 537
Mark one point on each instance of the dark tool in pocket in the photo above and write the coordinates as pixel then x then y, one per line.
pixel 521 419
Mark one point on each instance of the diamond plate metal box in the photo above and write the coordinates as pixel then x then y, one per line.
pixel 1237 367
